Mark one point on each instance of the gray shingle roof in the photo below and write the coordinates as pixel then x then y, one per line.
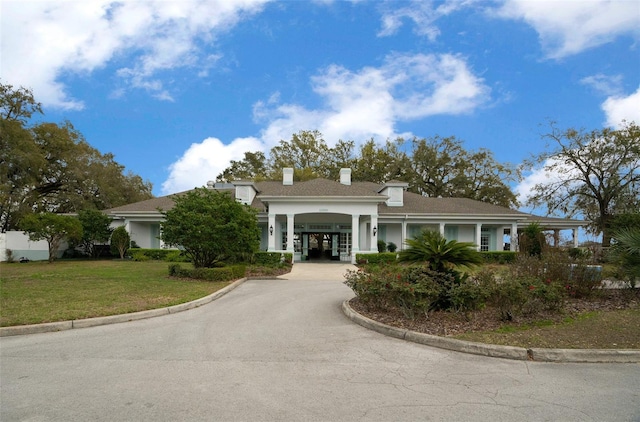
pixel 413 203
pixel 315 187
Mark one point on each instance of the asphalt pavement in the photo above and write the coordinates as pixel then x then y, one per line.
pixel 283 350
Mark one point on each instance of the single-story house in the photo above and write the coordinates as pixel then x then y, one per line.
pixel 326 219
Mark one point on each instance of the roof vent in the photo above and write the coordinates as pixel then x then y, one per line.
pixel 287 176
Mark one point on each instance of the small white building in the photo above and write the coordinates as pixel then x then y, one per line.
pixel 335 220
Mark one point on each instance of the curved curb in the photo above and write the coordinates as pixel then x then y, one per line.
pixel 493 350
pixel 115 319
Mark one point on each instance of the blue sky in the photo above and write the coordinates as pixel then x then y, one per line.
pixel 177 89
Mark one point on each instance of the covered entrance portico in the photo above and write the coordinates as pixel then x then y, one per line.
pixel 331 234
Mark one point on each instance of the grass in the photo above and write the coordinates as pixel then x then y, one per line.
pixel 39 292
pixel 618 329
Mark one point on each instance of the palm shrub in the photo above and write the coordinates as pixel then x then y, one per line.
pixel 626 253
pixel 439 254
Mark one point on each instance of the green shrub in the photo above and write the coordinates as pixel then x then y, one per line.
pixel 509 297
pixel 169 255
pixel 392 247
pixel 578 277
pixel 376 258
pixel 271 259
pixel 499 257
pixel 382 246
pixel 232 272
pixel 580 253
pixel 140 256
pixel 416 289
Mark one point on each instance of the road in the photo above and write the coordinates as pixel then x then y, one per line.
pixel 281 350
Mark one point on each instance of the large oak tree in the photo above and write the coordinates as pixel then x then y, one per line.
pixel 595 174
pixel 50 167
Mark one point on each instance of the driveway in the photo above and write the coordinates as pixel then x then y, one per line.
pixel 281 350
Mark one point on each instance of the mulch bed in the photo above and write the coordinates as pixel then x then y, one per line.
pixel 452 323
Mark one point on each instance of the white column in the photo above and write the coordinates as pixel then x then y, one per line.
pixel 575 238
pixel 514 237
pixel 478 235
pixel 290 227
pixel 374 237
pixel 403 236
pixel 441 227
pixel 271 232
pixel 355 237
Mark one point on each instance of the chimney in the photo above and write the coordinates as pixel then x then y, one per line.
pixel 345 176
pixel 287 176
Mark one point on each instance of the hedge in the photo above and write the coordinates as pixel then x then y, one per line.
pixel 271 258
pixel 229 273
pixel 377 258
pixel 170 255
pixel 499 257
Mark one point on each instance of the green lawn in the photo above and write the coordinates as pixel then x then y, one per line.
pixel 618 329
pixel 39 292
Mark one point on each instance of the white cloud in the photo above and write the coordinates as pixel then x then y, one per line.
pixel 570 27
pixel 607 85
pixel 619 108
pixel 356 105
pixel 203 161
pixel 421 12
pixel 45 40
pixel 368 103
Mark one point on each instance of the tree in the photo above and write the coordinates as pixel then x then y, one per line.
pixel 441 167
pixel 54 228
pixel 532 240
pixel 120 241
pixel 306 152
pixel 439 254
pixel 17 104
pixel 96 228
pixel 49 167
pixel 252 167
pixel 595 174
pixel 211 226
pixel 437 167
pixel 381 164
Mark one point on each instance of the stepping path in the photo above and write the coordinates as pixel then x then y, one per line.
pixel 282 350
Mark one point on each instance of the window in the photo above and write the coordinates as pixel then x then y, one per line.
pixel 485 239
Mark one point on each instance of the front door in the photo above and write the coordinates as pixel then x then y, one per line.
pixel 320 246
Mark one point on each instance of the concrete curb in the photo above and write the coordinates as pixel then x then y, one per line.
pixel 492 350
pixel 116 319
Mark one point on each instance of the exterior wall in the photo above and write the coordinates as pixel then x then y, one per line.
pixel 467 233
pixel 392 233
pixel 21 246
pixel 145 234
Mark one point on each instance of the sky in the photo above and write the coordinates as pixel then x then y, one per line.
pixel 177 89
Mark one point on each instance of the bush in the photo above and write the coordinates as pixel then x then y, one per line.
pixel 382 246
pixel 169 255
pixel 499 257
pixel 271 258
pixel 392 247
pixel 140 256
pixel 9 255
pixel 578 277
pixel 229 273
pixel 376 258
pixel 416 289
pixel 526 295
